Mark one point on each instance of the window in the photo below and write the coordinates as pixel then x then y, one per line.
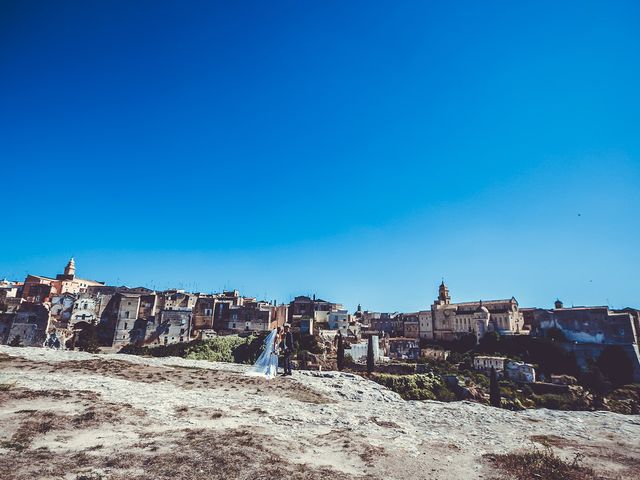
pixel 126 314
pixel 125 325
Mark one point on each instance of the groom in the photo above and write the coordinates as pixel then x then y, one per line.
pixel 287 347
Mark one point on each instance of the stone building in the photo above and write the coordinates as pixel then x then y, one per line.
pixel 411 325
pixel 339 320
pixel 9 289
pixel 89 308
pixel 342 321
pixel 124 314
pixel 425 324
pixel 61 307
pixel 587 331
pixel 30 323
pixel 310 313
pixel 6 320
pixel 403 348
pixel 203 312
pixel 176 300
pixel 453 320
pixel 173 326
pixel 383 323
pixel 251 316
pixel 520 372
pixel 358 351
pixel 434 353
pixel 484 363
pixel 126 317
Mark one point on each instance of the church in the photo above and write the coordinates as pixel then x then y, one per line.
pixel 450 321
pixel 40 289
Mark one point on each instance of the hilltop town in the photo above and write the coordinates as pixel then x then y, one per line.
pixel 595 346
pixel 98 412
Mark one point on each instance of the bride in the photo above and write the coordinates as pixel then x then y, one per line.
pixel 267 364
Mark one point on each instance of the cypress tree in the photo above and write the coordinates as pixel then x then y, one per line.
pixel 494 389
pixel 340 352
pixel 370 360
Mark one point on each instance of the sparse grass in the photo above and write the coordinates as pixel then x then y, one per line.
pixel 541 464
pixel 384 423
pixel 5 387
pixel 186 455
pixel 38 424
pixel 371 453
pixel 90 476
pixel 5 358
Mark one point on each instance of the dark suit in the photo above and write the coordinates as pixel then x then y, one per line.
pixel 288 351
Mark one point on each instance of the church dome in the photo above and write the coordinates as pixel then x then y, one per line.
pixel 482 309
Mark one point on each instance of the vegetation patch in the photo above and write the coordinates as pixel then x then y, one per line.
pixel 227 348
pixel 425 386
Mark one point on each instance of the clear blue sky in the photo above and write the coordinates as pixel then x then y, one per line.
pixel 358 150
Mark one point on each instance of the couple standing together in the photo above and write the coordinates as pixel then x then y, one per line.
pixel 279 340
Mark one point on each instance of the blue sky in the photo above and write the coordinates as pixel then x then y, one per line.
pixel 358 150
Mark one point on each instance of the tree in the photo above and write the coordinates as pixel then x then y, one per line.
pixel 494 388
pixel 555 335
pixel 595 381
pixel 616 365
pixel 340 358
pixel 370 359
pixel 489 343
pixel 88 339
pixel 16 341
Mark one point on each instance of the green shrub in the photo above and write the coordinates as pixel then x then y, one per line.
pixel 415 387
pixel 229 348
pixel 172 350
pixel 554 401
pixel 217 349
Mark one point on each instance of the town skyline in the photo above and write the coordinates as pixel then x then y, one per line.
pixel 194 287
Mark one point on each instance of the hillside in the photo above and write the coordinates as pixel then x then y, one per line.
pixel 79 416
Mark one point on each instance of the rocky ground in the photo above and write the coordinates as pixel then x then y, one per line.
pixel 77 416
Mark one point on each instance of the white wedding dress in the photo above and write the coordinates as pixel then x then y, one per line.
pixel 267 364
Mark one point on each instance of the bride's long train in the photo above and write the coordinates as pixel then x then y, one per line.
pixel 267 364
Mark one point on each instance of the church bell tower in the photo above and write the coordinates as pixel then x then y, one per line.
pixel 443 294
pixel 70 269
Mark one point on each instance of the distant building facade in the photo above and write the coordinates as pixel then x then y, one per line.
pixel 450 321
pixel 588 331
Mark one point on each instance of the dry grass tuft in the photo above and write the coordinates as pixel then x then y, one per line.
pixel 384 423
pixel 38 424
pixel 541 464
